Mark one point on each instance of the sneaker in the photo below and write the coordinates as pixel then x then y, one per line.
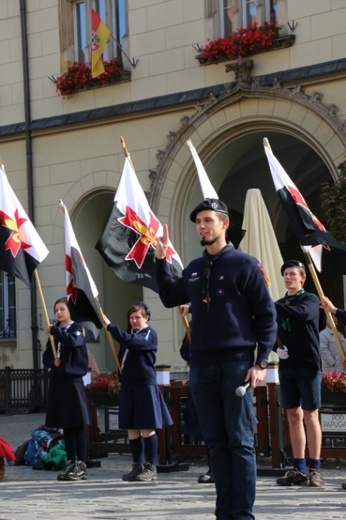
pixel 83 469
pixel 68 468
pixel 78 471
pixel 149 473
pixel 136 470
pixel 315 479
pixel 293 477
pixel 206 478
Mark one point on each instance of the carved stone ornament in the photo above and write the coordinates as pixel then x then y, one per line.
pixel 248 87
pixel 242 69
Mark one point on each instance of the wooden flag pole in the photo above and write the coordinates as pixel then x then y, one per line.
pixel 110 339
pixel 126 154
pixel 38 284
pixel 111 342
pixel 186 324
pixel 321 296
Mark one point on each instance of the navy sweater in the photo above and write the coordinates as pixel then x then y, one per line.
pixel 298 330
pixel 341 315
pixel 139 367
pixel 73 355
pixel 241 312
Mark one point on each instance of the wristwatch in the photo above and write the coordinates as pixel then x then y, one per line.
pixel 263 363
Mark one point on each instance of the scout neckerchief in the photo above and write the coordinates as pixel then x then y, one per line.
pixel 209 260
pixel 286 322
pixel 65 328
pixel 127 350
pixel 291 297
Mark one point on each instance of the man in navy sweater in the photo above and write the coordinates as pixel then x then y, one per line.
pixel 300 373
pixel 232 313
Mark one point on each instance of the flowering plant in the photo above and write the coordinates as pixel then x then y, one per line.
pixel 241 42
pixel 78 77
pixel 334 381
pixel 106 383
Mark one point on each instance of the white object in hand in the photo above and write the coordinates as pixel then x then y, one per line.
pixel 282 352
pixel 240 391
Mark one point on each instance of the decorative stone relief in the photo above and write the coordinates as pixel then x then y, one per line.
pixel 247 89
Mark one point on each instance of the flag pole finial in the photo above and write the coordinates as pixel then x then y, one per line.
pixel 266 143
pixel 123 144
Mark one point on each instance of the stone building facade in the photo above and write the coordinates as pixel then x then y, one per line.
pixel 56 147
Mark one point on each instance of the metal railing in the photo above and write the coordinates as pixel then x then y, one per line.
pixel 23 390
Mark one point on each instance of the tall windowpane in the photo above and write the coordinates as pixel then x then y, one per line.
pixel 8 325
pixel 249 12
pixel 112 14
pixel 274 9
pixel 226 17
pixel 80 31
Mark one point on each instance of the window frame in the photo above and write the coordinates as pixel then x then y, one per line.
pixel 112 12
pixel 8 308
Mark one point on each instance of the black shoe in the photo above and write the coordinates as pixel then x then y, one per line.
pixel 149 473
pixel 136 470
pixel 63 473
pixel 39 465
pixel 343 485
pixel 206 478
pixel 78 472
pixel 293 477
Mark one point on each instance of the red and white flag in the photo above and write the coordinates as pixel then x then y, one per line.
pixel 129 239
pixel 327 253
pixel 21 248
pixel 80 286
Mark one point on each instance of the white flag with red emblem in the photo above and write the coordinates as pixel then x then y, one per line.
pixel 129 238
pixel 21 248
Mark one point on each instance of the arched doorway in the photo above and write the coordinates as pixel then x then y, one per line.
pixel 115 296
pixel 228 134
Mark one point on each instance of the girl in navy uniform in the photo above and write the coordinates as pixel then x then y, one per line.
pixel 141 406
pixel 67 407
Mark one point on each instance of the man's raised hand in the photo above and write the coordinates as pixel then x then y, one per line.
pixel 162 244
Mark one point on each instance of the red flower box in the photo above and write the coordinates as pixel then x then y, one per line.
pixel 78 77
pixel 244 42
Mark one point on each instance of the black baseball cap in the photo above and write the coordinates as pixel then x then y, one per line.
pixel 292 263
pixel 209 204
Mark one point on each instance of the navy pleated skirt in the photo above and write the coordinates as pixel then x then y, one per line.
pixel 67 406
pixel 142 407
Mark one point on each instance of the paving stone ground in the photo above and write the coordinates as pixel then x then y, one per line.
pixel 29 494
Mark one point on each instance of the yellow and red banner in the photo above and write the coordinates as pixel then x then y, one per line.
pixel 99 37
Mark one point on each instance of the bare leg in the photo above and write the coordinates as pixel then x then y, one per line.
pixel 297 432
pixel 314 433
